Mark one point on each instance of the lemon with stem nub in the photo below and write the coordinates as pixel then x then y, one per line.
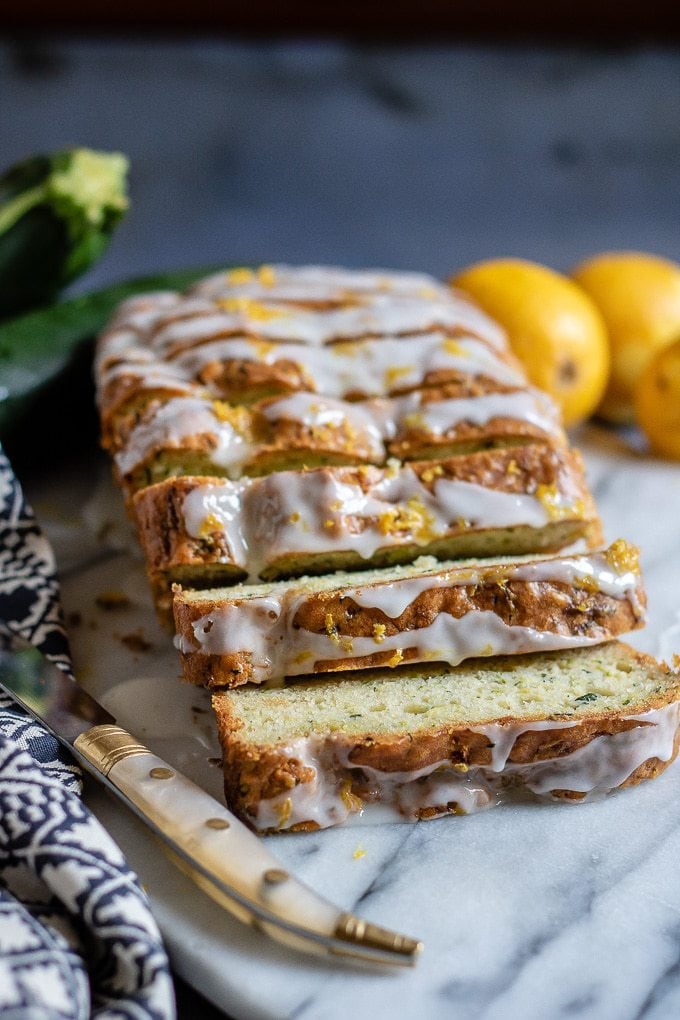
pixel 639 298
pixel 553 328
pixel 657 401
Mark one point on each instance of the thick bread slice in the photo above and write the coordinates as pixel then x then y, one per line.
pixel 203 532
pixel 429 612
pixel 190 435
pixel 242 370
pixel 567 725
pixel 385 305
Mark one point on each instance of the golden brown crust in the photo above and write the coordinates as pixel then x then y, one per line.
pixel 125 399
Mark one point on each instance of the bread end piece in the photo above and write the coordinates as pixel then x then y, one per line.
pixel 563 726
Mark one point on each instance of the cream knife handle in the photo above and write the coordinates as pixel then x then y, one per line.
pixel 227 860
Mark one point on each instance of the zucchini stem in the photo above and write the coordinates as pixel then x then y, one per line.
pixel 16 207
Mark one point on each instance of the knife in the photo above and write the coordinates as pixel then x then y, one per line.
pixel 208 842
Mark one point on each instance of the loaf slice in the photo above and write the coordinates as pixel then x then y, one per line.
pixel 327 310
pixel 430 611
pixel 203 532
pixel 242 370
pixel 192 435
pixel 562 725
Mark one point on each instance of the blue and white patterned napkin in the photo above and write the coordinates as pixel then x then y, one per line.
pixel 77 938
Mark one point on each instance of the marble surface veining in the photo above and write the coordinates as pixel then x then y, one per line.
pixel 532 910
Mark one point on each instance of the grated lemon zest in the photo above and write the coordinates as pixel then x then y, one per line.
pixel 623 557
pixel 453 347
pixel 379 632
pixel 253 310
pixel 240 275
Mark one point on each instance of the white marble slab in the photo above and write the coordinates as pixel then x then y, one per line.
pixel 531 911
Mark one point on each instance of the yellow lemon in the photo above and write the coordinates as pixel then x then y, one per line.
pixel 553 328
pixel 639 298
pixel 657 401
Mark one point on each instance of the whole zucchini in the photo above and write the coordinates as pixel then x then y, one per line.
pixel 57 215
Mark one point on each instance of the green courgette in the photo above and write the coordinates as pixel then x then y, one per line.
pixel 57 215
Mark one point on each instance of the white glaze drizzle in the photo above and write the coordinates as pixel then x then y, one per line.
pixel 387 418
pixel 594 769
pixel 150 376
pixel 370 368
pixel 218 507
pixel 374 367
pixel 142 310
pixel 169 427
pixel 259 629
pixel 318 283
pixel 370 421
pixel 377 315
pixel 317 412
pixel 380 304
pixel 439 417
pixel 584 571
pixel 116 346
pixel 278 646
pixel 266 628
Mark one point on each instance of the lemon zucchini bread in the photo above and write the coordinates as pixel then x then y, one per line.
pixel 428 612
pixel 562 725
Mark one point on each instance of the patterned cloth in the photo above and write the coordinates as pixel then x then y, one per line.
pixel 77 938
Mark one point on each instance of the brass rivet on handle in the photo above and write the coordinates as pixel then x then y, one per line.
pixel 161 773
pixel 217 823
pixel 275 875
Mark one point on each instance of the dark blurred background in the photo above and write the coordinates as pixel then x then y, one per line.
pixel 403 135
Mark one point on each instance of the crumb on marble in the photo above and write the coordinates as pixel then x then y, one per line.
pixel 359 853
pixel 136 641
pixel 104 530
pixel 112 600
